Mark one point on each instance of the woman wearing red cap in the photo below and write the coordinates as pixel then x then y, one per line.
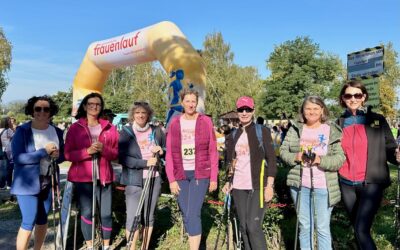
pixel 252 170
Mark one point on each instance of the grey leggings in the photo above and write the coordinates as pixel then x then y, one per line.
pixel 132 196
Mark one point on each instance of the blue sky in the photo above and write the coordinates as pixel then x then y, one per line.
pixel 50 38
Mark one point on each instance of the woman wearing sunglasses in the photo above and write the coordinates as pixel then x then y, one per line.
pixel 92 140
pixel 312 149
pixel 252 171
pixel 191 162
pixel 139 141
pixel 368 144
pixel 35 144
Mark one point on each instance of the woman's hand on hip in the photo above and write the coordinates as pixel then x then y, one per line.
pixel 174 187
pixel 213 186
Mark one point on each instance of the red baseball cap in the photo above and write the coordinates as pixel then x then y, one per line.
pixel 245 101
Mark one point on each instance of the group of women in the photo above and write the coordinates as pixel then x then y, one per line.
pixel 328 161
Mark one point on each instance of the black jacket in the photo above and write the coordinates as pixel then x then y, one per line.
pixel 130 157
pixel 381 147
pixel 256 154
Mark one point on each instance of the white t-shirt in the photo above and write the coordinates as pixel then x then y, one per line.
pixel 42 137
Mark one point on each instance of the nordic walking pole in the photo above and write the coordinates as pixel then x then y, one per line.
pixel 229 180
pixel 136 219
pixel 397 210
pixel 221 219
pixel 313 207
pixel 298 199
pixel 59 199
pixel 228 229
pixel 53 202
pixel 94 180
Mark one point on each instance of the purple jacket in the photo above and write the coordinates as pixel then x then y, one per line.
pixel 76 143
pixel 206 157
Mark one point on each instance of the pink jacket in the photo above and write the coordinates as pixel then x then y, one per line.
pixel 76 143
pixel 206 157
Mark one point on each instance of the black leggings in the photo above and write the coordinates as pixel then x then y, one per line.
pixel 251 216
pixel 84 192
pixel 362 203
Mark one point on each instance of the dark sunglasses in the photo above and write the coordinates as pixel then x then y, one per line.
pixel 349 96
pixel 40 109
pixel 141 103
pixel 241 110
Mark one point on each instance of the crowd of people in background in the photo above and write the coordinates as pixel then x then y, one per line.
pixel 329 160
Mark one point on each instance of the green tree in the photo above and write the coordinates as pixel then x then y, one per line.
pixel 5 61
pixel 140 82
pixel 299 68
pixel 64 102
pixel 226 81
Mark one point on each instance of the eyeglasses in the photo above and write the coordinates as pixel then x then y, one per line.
pixel 141 103
pixel 241 110
pixel 93 105
pixel 41 109
pixel 356 96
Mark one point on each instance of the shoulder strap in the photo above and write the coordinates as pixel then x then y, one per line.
pixel 259 136
pixel 153 135
pixel 128 131
pixel 234 131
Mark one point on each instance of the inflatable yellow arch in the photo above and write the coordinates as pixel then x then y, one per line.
pixel 163 42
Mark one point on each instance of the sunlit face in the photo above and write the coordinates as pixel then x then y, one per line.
pixel 313 113
pixel 140 116
pixel 41 111
pixel 93 106
pixel 245 115
pixel 189 104
pixel 353 98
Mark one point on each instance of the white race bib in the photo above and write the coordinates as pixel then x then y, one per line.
pixel 188 151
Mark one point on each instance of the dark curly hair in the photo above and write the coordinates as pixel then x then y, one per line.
pixel 31 103
pixel 82 112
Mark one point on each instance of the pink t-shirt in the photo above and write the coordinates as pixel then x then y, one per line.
pixel 94 134
pixel 145 141
pixel 188 128
pixel 242 175
pixel 317 139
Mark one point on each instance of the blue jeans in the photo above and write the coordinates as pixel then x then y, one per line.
pixel 306 217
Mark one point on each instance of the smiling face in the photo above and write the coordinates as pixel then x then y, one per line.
pixel 312 113
pixel 93 107
pixel 41 111
pixel 189 104
pixel 245 115
pixel 353 98
pixel 140 116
